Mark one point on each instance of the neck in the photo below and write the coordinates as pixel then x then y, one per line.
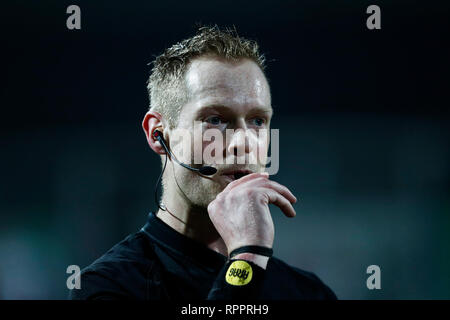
pixel 191 222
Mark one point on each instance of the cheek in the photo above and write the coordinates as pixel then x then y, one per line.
pixel 260 144
pixel 262 149
pixel 263 145
pixel 182 150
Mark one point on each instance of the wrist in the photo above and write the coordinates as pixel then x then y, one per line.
pixel 257 259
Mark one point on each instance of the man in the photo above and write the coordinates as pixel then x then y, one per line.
pixel 214 80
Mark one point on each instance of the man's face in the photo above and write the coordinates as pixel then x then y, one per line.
pixel 223 95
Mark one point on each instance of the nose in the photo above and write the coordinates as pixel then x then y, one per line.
pixel 241 142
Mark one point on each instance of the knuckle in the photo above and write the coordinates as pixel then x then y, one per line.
pixel 266 183
pixel 250 193
pixel 262 179
pixel 211 206
pixel 219 198
pixel 260 197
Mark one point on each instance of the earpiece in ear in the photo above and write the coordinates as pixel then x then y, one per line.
pixel 205 170
pixel 157 134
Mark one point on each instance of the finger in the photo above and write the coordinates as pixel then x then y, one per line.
pixel 246 178
pixel 281 189
pixel 266 183
pixel 280 201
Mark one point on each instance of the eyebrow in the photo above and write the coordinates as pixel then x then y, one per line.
pixel 255 110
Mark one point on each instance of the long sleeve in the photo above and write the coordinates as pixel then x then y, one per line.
pixel 243 280
pixel 238 279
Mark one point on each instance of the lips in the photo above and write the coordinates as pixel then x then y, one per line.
pixel 236 174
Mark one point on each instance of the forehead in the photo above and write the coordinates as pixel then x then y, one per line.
pixel 236 84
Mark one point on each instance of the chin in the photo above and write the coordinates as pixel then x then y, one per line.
pixel 201 197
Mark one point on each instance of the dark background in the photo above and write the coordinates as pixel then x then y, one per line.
pixel 363 118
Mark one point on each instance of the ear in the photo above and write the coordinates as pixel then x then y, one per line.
pixel 153 121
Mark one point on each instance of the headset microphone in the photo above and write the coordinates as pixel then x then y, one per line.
pixel 205 170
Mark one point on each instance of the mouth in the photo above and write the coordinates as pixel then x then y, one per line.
pixel 236 174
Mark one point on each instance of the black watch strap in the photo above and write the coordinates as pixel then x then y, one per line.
pixel 264 251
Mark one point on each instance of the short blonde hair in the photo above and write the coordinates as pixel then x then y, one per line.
pixel 166 84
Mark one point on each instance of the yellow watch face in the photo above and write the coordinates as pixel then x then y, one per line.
pixel 239 273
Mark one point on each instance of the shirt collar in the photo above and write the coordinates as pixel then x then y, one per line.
pixel 186 247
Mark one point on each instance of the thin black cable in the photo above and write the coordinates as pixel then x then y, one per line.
pixel 157 184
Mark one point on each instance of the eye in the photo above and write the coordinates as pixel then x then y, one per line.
pixel 258 122
pixel 214 120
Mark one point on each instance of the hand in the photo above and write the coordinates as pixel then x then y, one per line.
pixel 241 213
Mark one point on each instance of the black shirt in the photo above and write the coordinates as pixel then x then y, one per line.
pixel 158 263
